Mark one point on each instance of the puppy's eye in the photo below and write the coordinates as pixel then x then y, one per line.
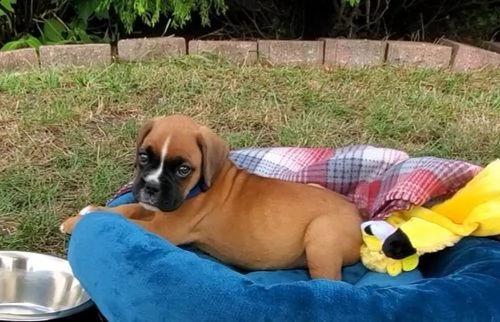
pixel 183 171
pixel 143 158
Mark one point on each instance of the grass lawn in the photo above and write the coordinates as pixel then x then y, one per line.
pixel 66 137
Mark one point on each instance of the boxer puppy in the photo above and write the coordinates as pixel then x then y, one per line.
pixel 190 192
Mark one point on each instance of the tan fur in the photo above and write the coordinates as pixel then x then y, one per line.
pixel 243 219
pixel 214 151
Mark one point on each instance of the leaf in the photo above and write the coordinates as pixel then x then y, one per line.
pixel 15 44
pixel 85 8
pixel 23 42
pixel 7 5
pixel 103 39
pixel 53 30
pixel 352 3
pixel 81 34
pixel 77 31
pixel 33 41
pixel 12 45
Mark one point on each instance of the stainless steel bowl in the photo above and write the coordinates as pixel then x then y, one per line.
pixel 37 287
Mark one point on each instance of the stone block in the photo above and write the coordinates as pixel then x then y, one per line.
pixel 354 52
pixel 291 52
pixel 75 55
pixel 244 52
pixel 141 49
pixel 466 57
pixel 18 60
pixel 418 54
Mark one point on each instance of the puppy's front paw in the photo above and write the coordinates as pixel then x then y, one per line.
pixel 68 225
pixel 87 210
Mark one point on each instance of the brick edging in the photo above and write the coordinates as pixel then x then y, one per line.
pixel 351 53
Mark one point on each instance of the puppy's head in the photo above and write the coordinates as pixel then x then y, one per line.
pixel 173 155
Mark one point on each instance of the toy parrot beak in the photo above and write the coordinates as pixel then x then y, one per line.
pixel 398 246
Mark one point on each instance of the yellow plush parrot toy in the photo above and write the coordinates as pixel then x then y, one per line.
pixel 395 244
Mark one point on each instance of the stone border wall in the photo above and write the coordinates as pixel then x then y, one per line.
pixel 443 54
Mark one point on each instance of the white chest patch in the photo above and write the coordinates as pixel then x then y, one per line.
pixel 149 207
pixel 154 176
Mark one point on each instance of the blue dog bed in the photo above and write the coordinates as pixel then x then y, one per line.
pixel 133 275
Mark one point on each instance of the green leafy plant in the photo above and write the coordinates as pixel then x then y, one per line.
pixel 150 11
pixel 6 11
pixel 23 42
pixel 53 31
pixel 6 7
pixel 482 23
pixel 31 23
pixel 24 18
pixel 59 27
pixel 352 3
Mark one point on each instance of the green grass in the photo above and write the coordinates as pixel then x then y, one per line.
pixel 66 137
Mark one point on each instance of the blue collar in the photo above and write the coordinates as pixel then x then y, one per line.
pixel 199 188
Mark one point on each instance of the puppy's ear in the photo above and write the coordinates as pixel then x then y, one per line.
pixel 143 132
pixel 215 153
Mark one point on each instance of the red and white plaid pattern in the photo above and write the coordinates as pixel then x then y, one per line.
pixel 378 180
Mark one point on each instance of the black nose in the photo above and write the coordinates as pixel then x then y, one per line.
pixel 151 189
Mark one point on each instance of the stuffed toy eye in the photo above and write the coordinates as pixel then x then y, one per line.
pixel 378 228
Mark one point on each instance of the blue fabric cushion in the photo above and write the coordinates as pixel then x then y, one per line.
pixel 133 275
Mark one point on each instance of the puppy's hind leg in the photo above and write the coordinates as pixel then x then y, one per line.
pixel 324 250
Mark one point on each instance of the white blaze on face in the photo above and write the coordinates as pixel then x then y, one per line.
pixel 154 177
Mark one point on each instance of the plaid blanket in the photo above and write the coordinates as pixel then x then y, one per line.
pixel 378 180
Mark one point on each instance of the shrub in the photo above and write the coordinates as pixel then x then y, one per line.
pixel 19 18
pixel 480 22
pixel 72 21
pixel 34 22
pixel 150 11
pixel 408 19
